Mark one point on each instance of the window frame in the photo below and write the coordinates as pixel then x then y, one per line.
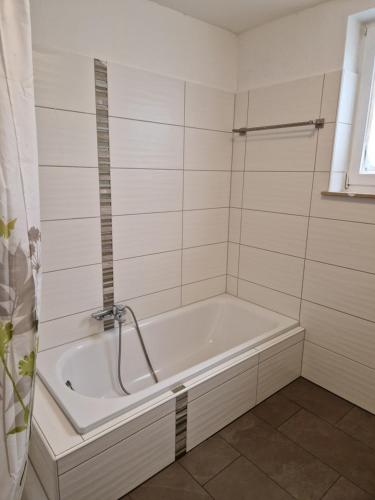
pixel 365 106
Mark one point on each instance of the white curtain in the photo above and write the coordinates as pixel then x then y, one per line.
pixel 19 243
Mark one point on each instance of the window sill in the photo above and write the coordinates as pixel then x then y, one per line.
pixel 349 194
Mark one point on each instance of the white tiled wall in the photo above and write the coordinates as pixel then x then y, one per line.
pixel 171 155
pixel 295 251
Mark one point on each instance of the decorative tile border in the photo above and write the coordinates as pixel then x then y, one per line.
pixel 104 164
pixel 181 424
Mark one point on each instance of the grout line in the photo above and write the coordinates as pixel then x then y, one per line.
pixel 183 196
pixel 319 458
pixel 342 356
pixel 337 310
pixel 269 288
pixel 310 205
pixel 242 193
pixel 230 192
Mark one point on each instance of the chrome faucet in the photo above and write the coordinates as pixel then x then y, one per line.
pixel 117 312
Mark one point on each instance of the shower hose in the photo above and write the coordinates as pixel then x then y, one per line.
pixel 119 363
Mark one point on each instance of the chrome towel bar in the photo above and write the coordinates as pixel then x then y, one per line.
pixel 318 123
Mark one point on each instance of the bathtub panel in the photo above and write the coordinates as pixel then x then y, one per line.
pixel 111 433
pixel 220 406
pixel 199 389
pixel 280 343
pixel 43 462
pixel 278 371
pixel 340 375
pixel 136 458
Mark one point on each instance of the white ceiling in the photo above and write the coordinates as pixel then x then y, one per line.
pixel 238 15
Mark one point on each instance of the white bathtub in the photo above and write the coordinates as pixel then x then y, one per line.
pixel 181 344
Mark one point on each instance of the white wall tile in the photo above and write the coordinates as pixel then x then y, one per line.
pixel 330 98
pixel 347 244
pixel 143 275
pixel 70 243
pixel 133 93
pixel 339 332
pixel 234 224
pixel 342 289
pixel 202 227
pixel 270 299
pixel 278 371
pixel 220 406
pixel 71 291
pixel 277 271
pixel 233 258
pixel 136 144
pixel 206 189
pixel 204 262
pixel 340 375
pixel 60 331
pixel 68 193
pixel 203 289
pixel 331 207
pixel 142 234
pixel 66 138
pixel 210 108
pixel 240 109
pixel 144 191
pixel 283 150
pixel 207 150
pixel 294 101
pixel 277 232
pixel 156 303
pixel 64 81
pixel 236 189
pixel 278 191
pixel 278 344
pixel 239 147
pixel 324 150
pixel 232 285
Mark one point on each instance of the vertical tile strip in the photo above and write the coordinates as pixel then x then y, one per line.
pixel 181 424
pixel 102 132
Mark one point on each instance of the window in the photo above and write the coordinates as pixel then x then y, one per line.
pixel 361 174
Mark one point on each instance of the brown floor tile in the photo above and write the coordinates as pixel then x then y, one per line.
pixel 209 458
pixel 317 400
pixel 296 470
pixel 360 424
pixel 173 483
pixel 345 490
pixel 276 409
pixel 243 481
pixel 350 457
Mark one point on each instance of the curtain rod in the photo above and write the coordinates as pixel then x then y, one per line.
pixel 318 123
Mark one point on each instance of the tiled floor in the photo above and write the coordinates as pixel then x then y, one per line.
pixel 302 443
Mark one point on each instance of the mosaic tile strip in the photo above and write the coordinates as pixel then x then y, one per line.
pixel 104 163
pixel 181 424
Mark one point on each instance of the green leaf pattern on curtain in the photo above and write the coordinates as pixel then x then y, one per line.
pixel 19 244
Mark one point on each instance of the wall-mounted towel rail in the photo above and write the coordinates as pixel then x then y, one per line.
pixel 318 123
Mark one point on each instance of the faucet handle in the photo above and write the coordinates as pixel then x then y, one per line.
pixel 102 314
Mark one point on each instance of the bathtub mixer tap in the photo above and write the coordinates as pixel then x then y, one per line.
pixel 118 313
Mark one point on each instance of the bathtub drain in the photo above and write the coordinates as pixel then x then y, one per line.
pixel 69 384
